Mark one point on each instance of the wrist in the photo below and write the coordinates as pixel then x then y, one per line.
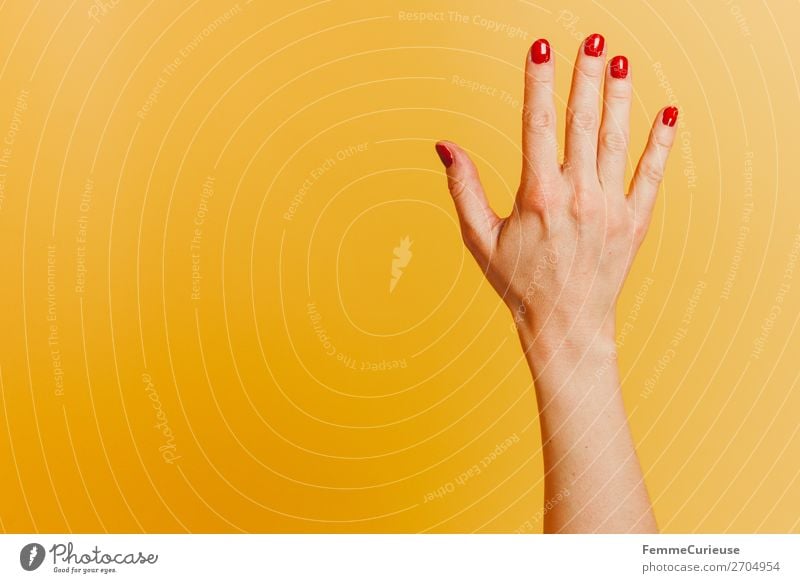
pixel 585 350
pixel 578 336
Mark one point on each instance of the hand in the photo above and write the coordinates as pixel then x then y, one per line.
pixel 560 259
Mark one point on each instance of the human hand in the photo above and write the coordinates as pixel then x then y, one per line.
pixel 560 259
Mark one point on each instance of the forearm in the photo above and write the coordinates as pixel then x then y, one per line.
pixel 587 446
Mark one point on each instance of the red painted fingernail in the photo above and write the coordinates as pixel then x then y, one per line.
pixel 670 116
pixel 619 67
pixel 540 51
pixel 594 44
pixel 445 155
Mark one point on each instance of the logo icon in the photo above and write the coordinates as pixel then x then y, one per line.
pixel 402 256
pixel 31 556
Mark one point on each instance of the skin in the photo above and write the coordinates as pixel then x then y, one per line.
pixel 559 262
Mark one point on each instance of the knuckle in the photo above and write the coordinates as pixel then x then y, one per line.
pixel 469 236
pixel 457 188
pixel 535 187
pixel 536 193
pixel 586 205
pixel 661 141
pixel 543 77
pixel 540 121
pixel 616 142
pixel 581 212
pixel 584 186
pixel 619 223
pixel 591 71
pixel 618 93
pixel 582 121
pixel 652 173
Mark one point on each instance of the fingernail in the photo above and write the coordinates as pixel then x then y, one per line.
pixel 445 155
pixel 670 116
pixel 594 44
pixel 540 51
pixel 619 67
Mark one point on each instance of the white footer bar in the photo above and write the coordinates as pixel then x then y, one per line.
pixel 400 558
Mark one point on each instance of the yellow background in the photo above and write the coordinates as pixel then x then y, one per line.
pixel 311 127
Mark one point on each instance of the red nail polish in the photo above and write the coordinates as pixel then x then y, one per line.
pixel 540 51
pixel 619 67
pixel 670 116
pixel 594 44
pixel 445 155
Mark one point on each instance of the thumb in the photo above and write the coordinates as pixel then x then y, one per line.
pixel 477 219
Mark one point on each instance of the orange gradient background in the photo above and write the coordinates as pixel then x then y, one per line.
pixel 200 203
